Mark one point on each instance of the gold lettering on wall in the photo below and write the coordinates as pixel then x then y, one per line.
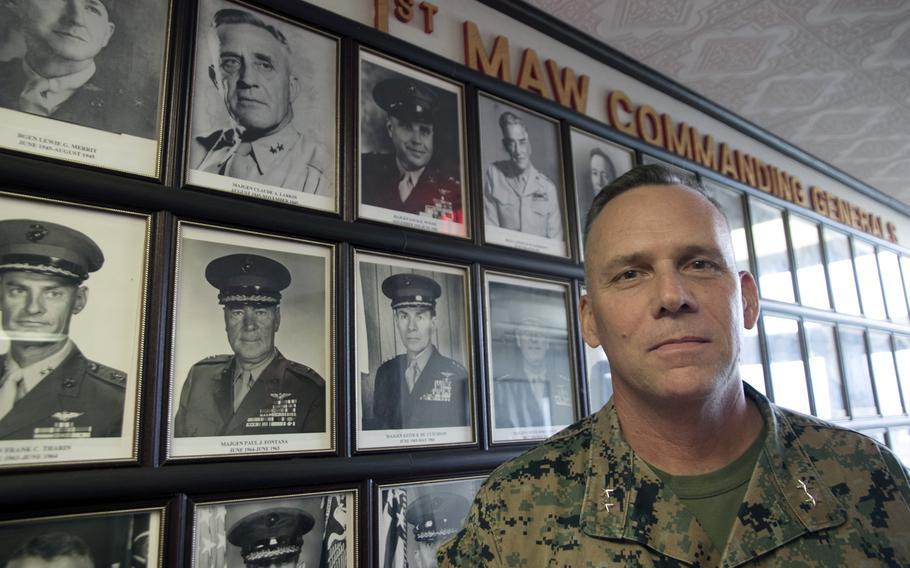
pixel 530 74
pixel 568 90
pixel 475 56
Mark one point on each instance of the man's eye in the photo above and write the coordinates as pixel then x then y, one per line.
pixel 702 264
pixel 265 66
pixel 230 65
pixel 627 275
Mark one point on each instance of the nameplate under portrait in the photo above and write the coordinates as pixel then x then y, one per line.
pixel 129 537
pixel 307 529
pixel 596 162
pixel 531 377
pixel 412 165
pixel 524 195
pixel 252 364
pixel 73 284
pixel 84 81
pixel 414 519
pixel 264 107
pixel 413 361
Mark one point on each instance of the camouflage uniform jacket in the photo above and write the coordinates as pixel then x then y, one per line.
pixel 819 496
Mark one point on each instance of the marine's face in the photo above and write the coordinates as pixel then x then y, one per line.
pixel 664 299
pixel 38 307
pixel 413 142
pixel 425 554
pixel 72 30
pixel 255 77
pixel 532 344
pixel 251 331
pixel 415 328
pixel 516 142
pixel 58 562
pixel 600 173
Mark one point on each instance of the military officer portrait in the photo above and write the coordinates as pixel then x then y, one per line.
pixel 313 530
pixel 411 144
pixel 532 392
pixel 523 192
pixel 414 519
pixel 264 103
pixel 72 60
pixel 48 387
pixel 254 390
pixel 596 163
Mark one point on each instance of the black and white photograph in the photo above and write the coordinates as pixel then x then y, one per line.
pixel 524 192
pixel 596 162
pixel 529 362
pixel 73 284
pixel 121 539
pixel 416 518
pixel 294 531
pixel 264 110
pixel 412 169
pixel 599 375
pixel 84 81
pixel 252 364
pixel 413 354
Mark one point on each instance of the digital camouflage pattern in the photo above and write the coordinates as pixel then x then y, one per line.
pixel 820 496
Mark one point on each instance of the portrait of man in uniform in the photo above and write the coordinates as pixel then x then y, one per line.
pixel 48 388
pixel 529 357
pixel 71 71
pixel 412 348
pixel 254 390
pixel 523 192
pixel 411 157
pixel 596 162
pixel 420 388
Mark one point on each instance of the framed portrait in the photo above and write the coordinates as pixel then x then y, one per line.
pixel 411 168
pixel 252 363
pixel 131 537
pixel 524 202
pixel 598 374
pixel 414 519
pixel 264 116
pixel 529 357
pixel 413 353
pixel 306 529
pixel 73 285
pixel 91 92
pixel 596 162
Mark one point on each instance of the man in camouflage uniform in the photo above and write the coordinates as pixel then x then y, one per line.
pixel 685 466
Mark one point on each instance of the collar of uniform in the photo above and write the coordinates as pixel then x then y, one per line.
pixel 642 508
pixel 423 358
pixel 34 373
pixel 413 174
pixel 268 149
pixel 777 506
pixel 256 369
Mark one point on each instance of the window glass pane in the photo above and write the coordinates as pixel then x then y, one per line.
pixel 905 268
pixel 870 286
pixel 770 242
pixel 889 396
pixel 902 356
pixel 900 443
pixel 750 366
pixel 788 375
pixel 856 371
pixel 824 368
pixel 731 202
pixel 810 268
pixel 877 435
pixel 840 270
pixel 894 289
pixel 600 378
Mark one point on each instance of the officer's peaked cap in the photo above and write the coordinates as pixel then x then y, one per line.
pixel 247 279
pixel 407 99
pixel 47 248
pixel 411 291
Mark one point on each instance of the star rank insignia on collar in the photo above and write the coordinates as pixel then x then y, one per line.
pixel 277 148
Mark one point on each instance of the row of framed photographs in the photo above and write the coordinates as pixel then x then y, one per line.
pixel 253 328
pixel 316 528
pixel 264 122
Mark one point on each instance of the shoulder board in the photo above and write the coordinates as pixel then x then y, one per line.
pixel 300 369
pixel 455 365
pixel 107 374
pixel 215 359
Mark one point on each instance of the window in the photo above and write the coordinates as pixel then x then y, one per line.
pixel 774 274
pixel 894 288
pixel 889 395
pixel 788 374
pixel 731 202
pixel 840 270
pixel 856 371
pixel 810 267
pixel 824 368
pixel 870 286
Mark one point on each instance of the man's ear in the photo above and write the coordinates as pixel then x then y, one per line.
pixel 277 317
pixel 751 304
pixel 294 87
pixel 213 77
pixel 588 323
pixel 81 299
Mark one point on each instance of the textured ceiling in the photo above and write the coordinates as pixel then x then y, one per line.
pixel 829 76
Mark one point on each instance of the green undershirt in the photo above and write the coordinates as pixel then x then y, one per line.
pixel 714 498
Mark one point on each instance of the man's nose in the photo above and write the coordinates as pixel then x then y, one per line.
pixel 35 304
pixel 673 294
pixel 75 11
pixel 249 319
